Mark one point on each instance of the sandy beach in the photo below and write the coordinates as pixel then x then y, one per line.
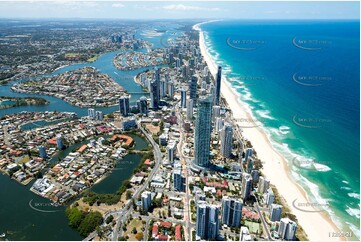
pixel 317 225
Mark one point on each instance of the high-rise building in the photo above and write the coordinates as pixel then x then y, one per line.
pixel 91 113
pixel 270 197
pixel 193 89
pixel 250 164
pixel 248 155
pixel 42 152
pixel 124 106
pixel 226 140
pixel 170 89
pixel 275 212
pixel 255 176
pixel 263 184
pixel 142 105
pixel 212 91
pixel 207 225
pixel 59 142
pixel 162 86
pixel 157 81
pixel 246 186
pixel 146 200
pixel 241 148
pixel 99 115
pixel 190 109
pixel 202 133
pixel 178 180
pixel 183 98
pixel 170 152
pixel 218 86
pixel 231 211
pixel 219 125
pixel 154 101
pixel 216 112
pixel 287 229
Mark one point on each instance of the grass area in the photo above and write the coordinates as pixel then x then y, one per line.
pixel 24 159
pixel 93 58
pixel 71 54
pixel 138 225
pixel 254 228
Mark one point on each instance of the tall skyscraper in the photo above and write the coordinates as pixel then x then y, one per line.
pixel 193 89
pixel 263 184
pixel 170 152
pixel 190 109
pixel 249 152
pixel 219 125
pixel 170 89
pixel 207 226
pixel 270 197
pixel 59 142
pixel 99 115
pixel 178 179
pixel 231 211
pixel 157 82
pixel 202 133
pixel 124 106
pixel 146 200
pixel 162 89
pixel 287 229
pixel 42 152
pixel 246 186
pixel 250 164
pixel 91 113
pixel 154 100
pixel 183 98
pixel 218 86
pixel 216 112
pixel 275 212
pixel 142 105
pixel 226 140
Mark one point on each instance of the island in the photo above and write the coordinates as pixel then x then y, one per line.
pixel 9 102
pixel 84 87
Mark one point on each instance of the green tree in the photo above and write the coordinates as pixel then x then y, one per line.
pixel 90 222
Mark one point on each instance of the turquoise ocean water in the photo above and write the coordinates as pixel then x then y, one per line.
pixel 301 81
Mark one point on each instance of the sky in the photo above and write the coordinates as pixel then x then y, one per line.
pixel 179 10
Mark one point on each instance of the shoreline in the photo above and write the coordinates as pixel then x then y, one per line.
pixel 316 225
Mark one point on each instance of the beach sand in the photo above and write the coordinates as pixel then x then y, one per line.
pixel 317 225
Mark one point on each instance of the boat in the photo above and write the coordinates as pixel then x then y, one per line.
pixel 2 235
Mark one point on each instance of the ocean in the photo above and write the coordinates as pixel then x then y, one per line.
pixel 301 81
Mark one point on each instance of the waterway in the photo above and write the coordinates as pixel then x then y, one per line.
pixel 18 218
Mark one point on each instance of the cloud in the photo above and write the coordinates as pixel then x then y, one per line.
pixel 181 7
pixel 118 5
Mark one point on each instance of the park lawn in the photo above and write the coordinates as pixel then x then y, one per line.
pixel 134 223
pixel 71 54
pixel 254 228
pixel 94 58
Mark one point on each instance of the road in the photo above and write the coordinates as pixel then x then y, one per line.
pixel 264 224
pixel 187 213
pixel 123 215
